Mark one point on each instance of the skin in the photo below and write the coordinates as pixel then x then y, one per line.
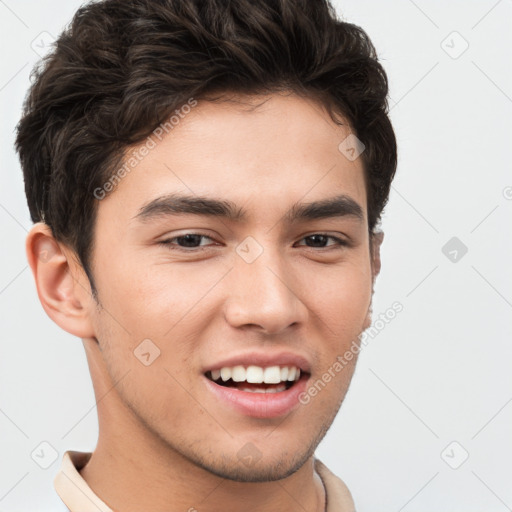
pixel 160 429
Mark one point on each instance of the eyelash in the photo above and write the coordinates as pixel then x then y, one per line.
pixel 168 242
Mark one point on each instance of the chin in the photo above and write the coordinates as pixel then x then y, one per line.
pixel 256 471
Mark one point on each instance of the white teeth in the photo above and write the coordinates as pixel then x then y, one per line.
pixel 257 375
pixel 238 374
pixel 225 373
pixel 277 389
pixel 254 374
pixel 253 390
pixel 272 375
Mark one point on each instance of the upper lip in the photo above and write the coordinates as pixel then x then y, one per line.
pixel 263 359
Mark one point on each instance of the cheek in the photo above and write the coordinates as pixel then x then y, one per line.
pixel 340 296
pixel 161 303
pixel 147 299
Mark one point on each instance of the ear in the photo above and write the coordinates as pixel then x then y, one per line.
pixel 375 243
pixel 62 285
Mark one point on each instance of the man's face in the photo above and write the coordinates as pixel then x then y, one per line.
pixel 266 290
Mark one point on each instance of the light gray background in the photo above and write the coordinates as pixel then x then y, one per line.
pixel 439 372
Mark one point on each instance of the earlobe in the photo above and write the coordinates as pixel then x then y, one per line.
pixel 62 286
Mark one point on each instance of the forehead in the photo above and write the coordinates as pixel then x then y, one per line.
pixel 264 151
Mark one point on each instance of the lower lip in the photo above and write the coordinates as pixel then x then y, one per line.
pixel 260 405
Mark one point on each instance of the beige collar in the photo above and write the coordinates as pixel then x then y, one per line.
pixel 79 497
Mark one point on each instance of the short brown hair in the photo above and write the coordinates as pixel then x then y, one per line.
pixel 122 67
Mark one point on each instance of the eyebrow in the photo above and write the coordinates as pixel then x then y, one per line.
pixel 175 204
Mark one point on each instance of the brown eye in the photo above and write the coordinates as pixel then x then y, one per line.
pixel 319 240
pixel 188 241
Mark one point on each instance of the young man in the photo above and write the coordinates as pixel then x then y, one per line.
pixel 206 180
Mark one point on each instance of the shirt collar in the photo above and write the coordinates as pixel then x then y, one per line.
pixel 73 489
pixel 79 497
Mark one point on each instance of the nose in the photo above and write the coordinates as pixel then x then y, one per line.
pixel 264 295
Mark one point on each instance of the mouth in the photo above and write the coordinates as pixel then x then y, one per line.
pixel 256 379
pixel 258 391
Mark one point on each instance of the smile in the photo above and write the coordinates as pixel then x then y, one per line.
pixel 256 379
pixel 258 391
